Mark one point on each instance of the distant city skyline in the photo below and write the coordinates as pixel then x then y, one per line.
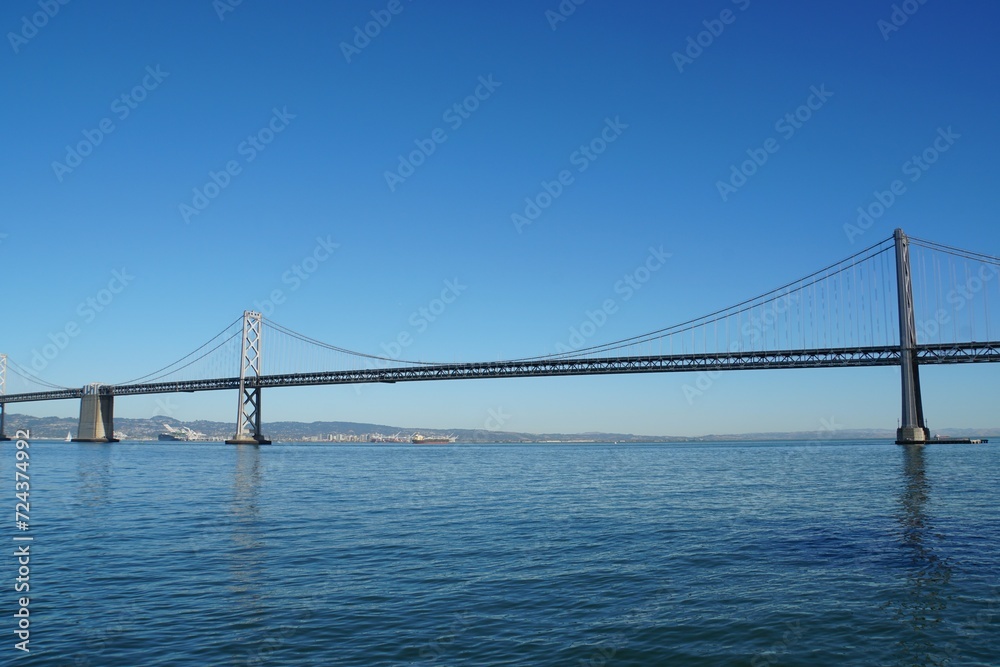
pixel 478 182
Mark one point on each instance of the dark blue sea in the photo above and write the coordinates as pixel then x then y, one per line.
pixel 591 554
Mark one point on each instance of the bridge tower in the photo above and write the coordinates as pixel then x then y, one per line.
pixel 912 430
pixel 248 414
pixel 3 390
pixel 97 415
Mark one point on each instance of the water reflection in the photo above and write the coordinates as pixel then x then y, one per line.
pixel 244 522
pixel 94 466
pixel 924 599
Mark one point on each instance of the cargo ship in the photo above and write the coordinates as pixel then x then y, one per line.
pixel 418 439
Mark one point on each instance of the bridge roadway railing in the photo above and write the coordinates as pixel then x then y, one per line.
pixel 817 358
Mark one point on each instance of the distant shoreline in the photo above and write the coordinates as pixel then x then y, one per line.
pixel 336 432
pixel 627 443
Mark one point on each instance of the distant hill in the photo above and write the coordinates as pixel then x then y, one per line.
pixel 148 429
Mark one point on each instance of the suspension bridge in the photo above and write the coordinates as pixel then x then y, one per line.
pixel 902 302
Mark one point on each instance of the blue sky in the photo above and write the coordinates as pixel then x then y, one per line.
pixel 308 119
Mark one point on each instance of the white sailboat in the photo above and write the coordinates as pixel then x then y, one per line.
pixel 69 437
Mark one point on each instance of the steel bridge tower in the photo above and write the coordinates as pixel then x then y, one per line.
pixel 248 413
pixel 912 430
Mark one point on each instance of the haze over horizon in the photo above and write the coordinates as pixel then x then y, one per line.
pixel 169 166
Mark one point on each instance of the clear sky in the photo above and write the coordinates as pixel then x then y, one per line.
pixel 204 150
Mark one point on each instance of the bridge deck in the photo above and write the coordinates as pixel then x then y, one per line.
pixel 818 358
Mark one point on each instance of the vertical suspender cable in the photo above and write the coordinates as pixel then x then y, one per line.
pixel 842 315
pixel 852 312
pixel 836 312
pixel 811 313
pixel 972 317
pixel 986 307
pixel 826 297
pixel 923 288
pixel 815 315
pixel 774 324
pixel 887 278
pixel 954 283
pixel 864 306
pixel 876 287
pixel 872 307
pixel 861 305
pixel 802 319
pixel 740 327
pixel 939 280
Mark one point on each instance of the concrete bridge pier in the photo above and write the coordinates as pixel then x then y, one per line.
pixel 97 416
pixel 3 390
pixel 3 417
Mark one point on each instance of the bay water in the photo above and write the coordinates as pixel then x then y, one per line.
pixel 780 553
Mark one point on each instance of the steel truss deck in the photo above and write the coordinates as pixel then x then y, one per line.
pixel 819 358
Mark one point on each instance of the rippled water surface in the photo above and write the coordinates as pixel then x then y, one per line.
pixel 701 554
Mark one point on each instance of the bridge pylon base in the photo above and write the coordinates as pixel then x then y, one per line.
pixel 3 406
pixel 912 435
pixel 248 440
pixel 97 416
